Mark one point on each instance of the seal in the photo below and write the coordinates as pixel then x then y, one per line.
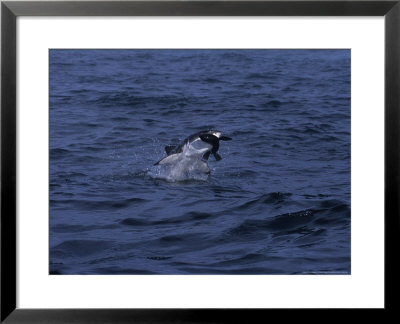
pixel 197 146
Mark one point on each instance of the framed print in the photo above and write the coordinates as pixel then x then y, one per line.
pixel 196 160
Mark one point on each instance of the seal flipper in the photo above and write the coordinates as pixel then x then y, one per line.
pixel 169 149
pixel 217 156
pixel 206 155
pixel 225 138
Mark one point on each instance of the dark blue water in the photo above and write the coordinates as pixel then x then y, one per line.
pixel 277 203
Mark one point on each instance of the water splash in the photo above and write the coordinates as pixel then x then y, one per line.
pixel 183 170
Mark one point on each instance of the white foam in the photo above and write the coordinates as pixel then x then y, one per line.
pixel 185 169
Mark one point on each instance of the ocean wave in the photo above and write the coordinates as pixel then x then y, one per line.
pixel 277 203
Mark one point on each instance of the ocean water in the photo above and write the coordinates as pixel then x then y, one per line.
pixel 277 203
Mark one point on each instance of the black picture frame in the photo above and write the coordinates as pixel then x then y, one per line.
pixel 10 10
